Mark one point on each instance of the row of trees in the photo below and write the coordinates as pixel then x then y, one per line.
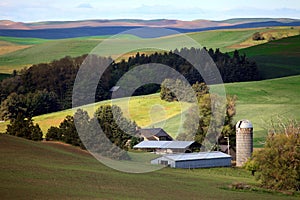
pixel 116 134
pixel 48 87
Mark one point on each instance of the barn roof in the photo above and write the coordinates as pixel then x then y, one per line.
pixel 164 144
pixel 149 132
pixel 196 156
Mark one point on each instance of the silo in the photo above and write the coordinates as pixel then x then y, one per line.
pixel 244 141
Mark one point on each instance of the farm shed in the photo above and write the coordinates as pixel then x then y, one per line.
pixel 164 147
pixel 194 160
pixel 154 134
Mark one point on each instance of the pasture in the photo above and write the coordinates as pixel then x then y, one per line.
pixel 260 101
pixel 39 170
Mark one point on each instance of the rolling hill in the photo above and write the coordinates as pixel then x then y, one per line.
pixel 260 102
pixel 48 170
pixel 169 23
pixel 277 58
pixel 19 52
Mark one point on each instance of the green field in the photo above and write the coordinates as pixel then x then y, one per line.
pixel 266 100
pixel 278 58
pixel 30 51
pixel 260 102
pixel 145 110
pixel 47 170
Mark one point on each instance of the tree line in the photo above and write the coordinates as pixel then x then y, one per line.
pixel 48 87
pixel 115 135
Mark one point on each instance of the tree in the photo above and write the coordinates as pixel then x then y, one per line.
pixel 116 127
pixel 53 133
pixel 278 163
pixel 205 119
pixel 68 131
pixel 23 127
pixel 178 90
pixel 13 106
pixel 257 36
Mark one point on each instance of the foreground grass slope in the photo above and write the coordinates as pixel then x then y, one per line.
pixel 15 53
pixel 38 170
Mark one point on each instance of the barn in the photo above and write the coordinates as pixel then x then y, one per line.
pixel 152 134
pixel 194 160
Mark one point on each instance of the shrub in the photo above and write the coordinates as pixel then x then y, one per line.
pixel 279 162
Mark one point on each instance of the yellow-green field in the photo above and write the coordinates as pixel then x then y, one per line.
pixel 144 110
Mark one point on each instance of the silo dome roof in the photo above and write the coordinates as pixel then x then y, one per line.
pixel 244 124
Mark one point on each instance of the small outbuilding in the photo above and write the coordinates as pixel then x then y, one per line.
pixel 154 134
pixel 194 160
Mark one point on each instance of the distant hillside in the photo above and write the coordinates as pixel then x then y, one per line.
pixel 71 29
pixel 278 58
pixel 15 53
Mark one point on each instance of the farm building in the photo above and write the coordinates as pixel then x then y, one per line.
pixel 164 147
pixel 194 160
pixel 157 134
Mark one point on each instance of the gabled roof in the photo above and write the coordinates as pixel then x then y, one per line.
pixel 196 156
pixel 150 132
pixel 164 144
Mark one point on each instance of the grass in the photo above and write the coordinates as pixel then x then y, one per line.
pixel 260 102
pixel 278 58
pixel 23 41
pixel 27 51
pixel 144 110
pixel 45 52
pixel 267 100
pixel 45 170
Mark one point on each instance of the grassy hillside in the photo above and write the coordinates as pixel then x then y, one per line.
pixel 259 102
pixel 45 52
pixel 39 170
pixel 267 100
pixel 145 110
pixel 278 58
pixel 19 52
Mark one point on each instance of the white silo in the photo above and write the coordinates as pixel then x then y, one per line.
pixel 244 141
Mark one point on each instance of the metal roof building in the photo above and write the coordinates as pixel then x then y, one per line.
pixel 165 146
pixel 194 160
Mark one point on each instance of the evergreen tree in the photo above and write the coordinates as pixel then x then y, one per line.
pixel 23 127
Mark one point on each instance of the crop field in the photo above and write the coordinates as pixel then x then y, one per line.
pixel 39 170
pixel 16 53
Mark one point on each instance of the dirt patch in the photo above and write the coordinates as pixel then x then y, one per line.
pixel 10 49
